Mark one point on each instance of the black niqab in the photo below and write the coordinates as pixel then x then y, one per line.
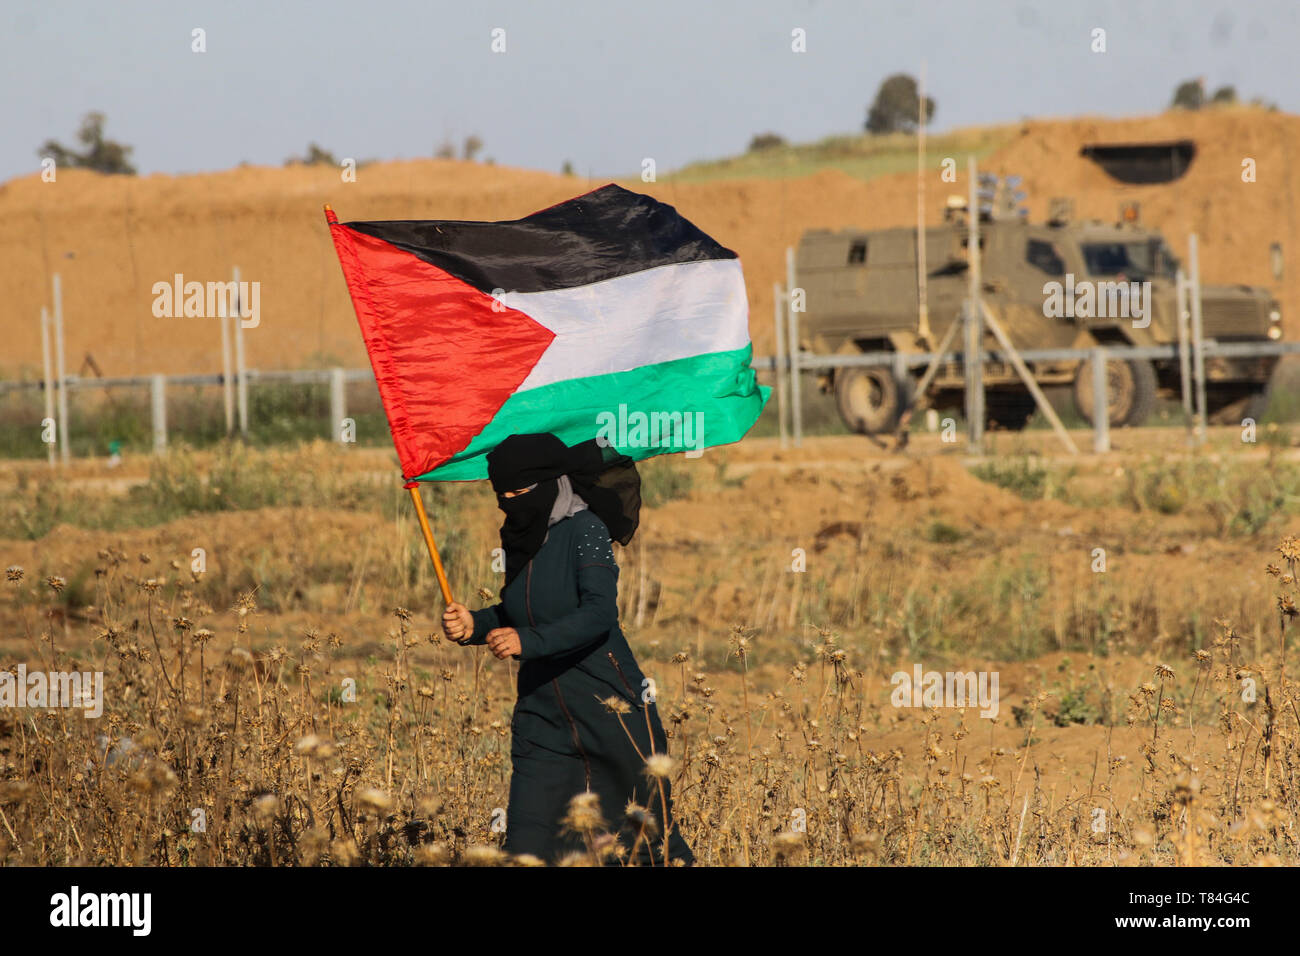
pixel 606 479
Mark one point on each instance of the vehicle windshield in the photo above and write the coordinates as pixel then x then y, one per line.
pixel 1135 260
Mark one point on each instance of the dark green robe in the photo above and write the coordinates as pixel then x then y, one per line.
pixel 564 740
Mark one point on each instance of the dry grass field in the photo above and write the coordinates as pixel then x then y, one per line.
pixel 292 703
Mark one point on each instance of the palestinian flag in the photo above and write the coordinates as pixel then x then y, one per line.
pixel 607 315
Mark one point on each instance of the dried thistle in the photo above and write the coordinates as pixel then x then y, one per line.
pixel 584 814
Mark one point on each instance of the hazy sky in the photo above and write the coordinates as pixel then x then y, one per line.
pixel 602 84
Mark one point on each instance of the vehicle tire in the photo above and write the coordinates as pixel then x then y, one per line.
pixel 1257 405
pixel 1131 391
pixel 869 399
pixel 1235 408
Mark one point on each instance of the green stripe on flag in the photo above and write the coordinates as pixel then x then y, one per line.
pixel 682 405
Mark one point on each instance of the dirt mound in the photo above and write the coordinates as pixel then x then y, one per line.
pixel 112 238
pixel 1235 220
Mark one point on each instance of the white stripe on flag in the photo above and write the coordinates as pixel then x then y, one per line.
pixel 656 315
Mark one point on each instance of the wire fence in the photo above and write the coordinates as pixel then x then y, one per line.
pixel 788 365
pixel 342 397
pixel 787 369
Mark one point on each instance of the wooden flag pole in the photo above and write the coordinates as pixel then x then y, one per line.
pixel 414 488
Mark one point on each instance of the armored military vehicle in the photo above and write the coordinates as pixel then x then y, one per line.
pixel 1059 284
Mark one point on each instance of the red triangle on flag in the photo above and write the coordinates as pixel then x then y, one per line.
pixel 446 356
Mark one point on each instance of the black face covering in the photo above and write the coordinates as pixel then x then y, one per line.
pixel 524 529
pixel 603 477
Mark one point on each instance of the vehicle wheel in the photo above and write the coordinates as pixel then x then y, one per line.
pixel 868 399
pixel 1130 391
pixel 1234 409
pixel 1256 406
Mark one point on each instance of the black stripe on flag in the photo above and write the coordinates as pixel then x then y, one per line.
pixel 606 233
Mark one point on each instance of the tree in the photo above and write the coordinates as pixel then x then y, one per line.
pixel 102 155
pixel 472 145
pixel 446 151
pixel 897 105
pixel 1190 94
pixel 1224 94
pixel 316 156
pixel 766 141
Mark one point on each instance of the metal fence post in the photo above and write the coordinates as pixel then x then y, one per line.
pixel 777 304
pixel 901 378
pixel 60 370
pixel 228 367
pixel 1100 405
pixel 49 381
pixel 1198 337
pixel 1184 356
pixel 241 370
pixel 338 403
pixel 974 352
pixel 792 317
pixel 158 400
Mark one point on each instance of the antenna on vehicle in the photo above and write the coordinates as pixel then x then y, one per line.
pixel 987 194
pixel 1001 198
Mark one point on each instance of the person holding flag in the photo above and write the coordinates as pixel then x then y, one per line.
pixel 585 720
pixel 505 350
